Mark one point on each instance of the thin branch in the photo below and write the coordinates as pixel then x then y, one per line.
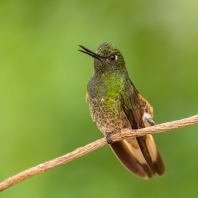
pixel 127 133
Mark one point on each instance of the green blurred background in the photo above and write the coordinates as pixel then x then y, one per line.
pixel 43 79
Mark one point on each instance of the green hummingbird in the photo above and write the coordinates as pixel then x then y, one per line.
pixel 116 104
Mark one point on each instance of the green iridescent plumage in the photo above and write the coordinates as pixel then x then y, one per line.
pixel 115 104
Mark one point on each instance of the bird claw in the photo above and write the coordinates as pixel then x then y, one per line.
pixel 108 137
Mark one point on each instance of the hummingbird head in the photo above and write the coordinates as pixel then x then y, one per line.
pixel 106 59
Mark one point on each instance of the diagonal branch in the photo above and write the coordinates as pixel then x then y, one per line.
pixel 127 133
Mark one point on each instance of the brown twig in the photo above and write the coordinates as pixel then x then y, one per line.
pixel 93 146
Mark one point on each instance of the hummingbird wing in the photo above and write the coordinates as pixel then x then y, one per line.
pixel 140 155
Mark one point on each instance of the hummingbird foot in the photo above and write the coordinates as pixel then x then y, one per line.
pixel 108 137
pixel 151 121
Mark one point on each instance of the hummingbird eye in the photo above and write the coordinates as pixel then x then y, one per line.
pixel 113 57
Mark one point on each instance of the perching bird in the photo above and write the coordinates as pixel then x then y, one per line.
pixel 115 104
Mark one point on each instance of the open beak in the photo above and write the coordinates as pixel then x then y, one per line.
pixel 89 52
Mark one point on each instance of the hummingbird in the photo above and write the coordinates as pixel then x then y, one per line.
pixel 115 104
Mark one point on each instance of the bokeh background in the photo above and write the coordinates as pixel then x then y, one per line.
pixel 43 79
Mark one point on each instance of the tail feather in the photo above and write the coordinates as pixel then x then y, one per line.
pixel 132 157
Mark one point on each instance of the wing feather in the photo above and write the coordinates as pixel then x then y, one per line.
pixel 140 155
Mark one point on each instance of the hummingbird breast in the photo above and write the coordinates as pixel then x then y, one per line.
pixel 104 104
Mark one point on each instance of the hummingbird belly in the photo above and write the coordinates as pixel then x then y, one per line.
pixel 107 114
